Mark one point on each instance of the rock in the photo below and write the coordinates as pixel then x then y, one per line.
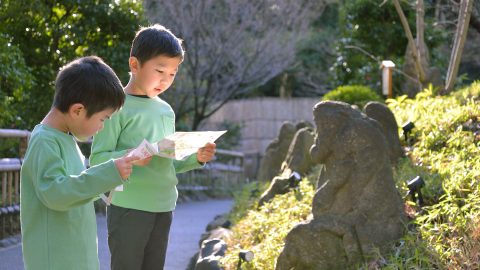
pixel 385 117
pixel 298 156
pixel 218 221
pixel 210 253
pixel 297 160
pixel 275 153
pixel 279 185
pixel 357 207
pixel 219 233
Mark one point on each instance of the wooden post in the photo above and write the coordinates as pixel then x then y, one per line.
pixel 387 69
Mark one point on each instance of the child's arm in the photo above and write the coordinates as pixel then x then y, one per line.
pixel 105 142
pixel 59 190
pixel 204 154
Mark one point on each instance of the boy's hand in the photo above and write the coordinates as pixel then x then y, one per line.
pixel 142 162
pixel 124 166
pixel 206 153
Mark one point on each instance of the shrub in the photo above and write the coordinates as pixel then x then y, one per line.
pixel 353 94
pixel 444 234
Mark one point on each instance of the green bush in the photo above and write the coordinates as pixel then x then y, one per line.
pixel 353 94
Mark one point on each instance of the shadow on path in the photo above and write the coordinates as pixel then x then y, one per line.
pixel 189 222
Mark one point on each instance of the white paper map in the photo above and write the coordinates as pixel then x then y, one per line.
pixel 178 145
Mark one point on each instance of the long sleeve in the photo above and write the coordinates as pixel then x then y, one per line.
pixel 105 142
pixel 190 163
pixel 59 190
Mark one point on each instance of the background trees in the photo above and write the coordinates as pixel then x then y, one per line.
pixel 417 51
pixel 42 36
pixel 232 46
pixel 235 49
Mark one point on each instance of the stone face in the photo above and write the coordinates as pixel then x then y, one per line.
pixel 385 117
pixel 356 207
pixel 275 153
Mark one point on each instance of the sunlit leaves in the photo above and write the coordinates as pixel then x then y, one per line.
pixel 51 33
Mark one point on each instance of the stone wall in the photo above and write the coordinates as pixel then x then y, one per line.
pixel 261 119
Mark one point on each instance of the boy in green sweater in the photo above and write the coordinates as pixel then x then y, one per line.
pixel 140 216
pixel 57 192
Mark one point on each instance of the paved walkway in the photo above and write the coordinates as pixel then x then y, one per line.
pixel 189 222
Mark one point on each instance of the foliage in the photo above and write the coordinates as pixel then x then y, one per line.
pixel 51 33
pixel 444 234
pixel 15 77
pixel 260 232
pixel 245 199
pixel 232 138
pixel 372 32
pixel 447 146
pixel 353 94
pixel 232 47
pixel 310 75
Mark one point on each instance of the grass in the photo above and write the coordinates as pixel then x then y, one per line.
pixel 444 234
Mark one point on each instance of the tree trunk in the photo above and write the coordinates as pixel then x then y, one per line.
pixel 284 89
pixel 415 50
pixel 465 11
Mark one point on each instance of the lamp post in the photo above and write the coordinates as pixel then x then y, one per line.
pixel 387 67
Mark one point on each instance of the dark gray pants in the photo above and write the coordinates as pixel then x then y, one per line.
pixel 137 239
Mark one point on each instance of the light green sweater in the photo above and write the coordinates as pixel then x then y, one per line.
pixel 151 188
pixel 57 215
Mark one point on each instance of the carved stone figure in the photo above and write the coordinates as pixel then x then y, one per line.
pixel 385 117
pixel 356 207
pixel 297 160
pixel 275 153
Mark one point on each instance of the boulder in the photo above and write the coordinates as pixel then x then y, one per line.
pixel 275 153
pixel 210 254
pixel 385 117
pixel 356 208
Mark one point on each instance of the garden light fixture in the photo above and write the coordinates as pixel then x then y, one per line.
pixel 414 187
pixel 407 128
pixel 244 255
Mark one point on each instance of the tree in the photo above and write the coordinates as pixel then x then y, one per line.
pixel 51 33
pixel 466 7
pixel 15 77
pixel 369 34
pixel 232 46
pixel 418 47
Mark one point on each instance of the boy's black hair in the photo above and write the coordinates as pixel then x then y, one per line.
pixel 90 82
pixel 155 40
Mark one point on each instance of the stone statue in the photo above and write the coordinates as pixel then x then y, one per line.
pixel 385 117
pixel 356 207
pixel 297 160
pixel 275 153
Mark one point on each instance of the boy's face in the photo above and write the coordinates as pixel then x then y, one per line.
pixel 154 76
pixel 83 127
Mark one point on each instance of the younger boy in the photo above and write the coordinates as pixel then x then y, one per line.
pixel 140 216
pixel 57 213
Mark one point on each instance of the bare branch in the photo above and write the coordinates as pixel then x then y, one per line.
pixel 232 45
pixel 408 32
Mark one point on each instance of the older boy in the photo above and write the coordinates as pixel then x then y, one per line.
pixel 140 216
pixel 57 213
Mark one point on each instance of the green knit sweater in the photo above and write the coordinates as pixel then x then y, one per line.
pixel 150 188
